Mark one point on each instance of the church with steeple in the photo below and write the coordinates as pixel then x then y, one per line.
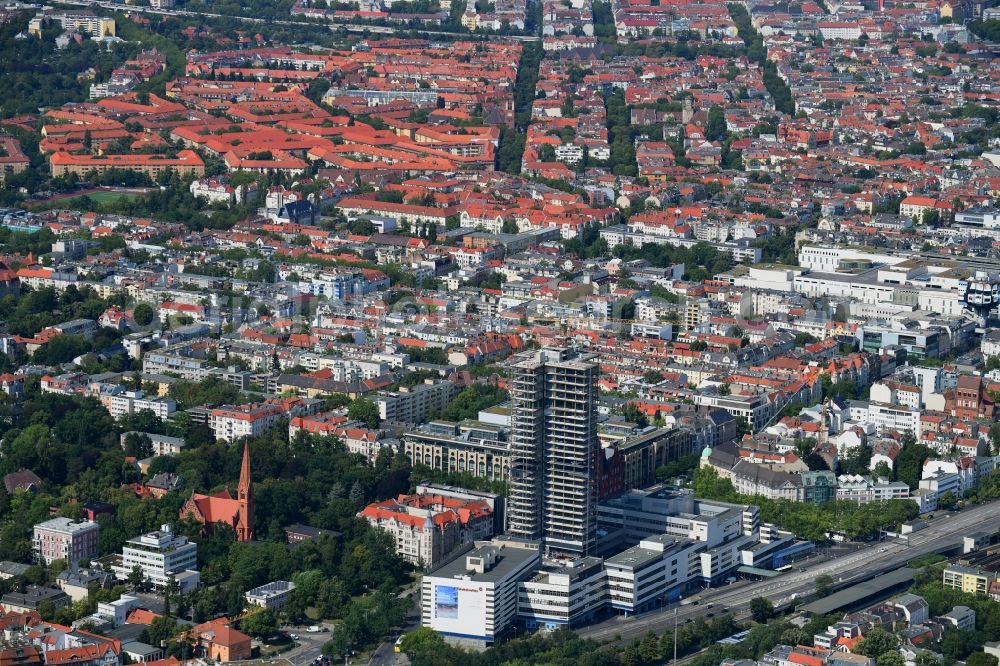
pixel 222 507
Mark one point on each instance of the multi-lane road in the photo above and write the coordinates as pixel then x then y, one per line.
pixel 942 533
pixel 351 27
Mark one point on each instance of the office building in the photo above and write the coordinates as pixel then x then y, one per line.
pixel 472 599
pixel 639 514
pixel 476 448
pixel 651 573
pixel 563 594
pixel 554 448
pixel 160 556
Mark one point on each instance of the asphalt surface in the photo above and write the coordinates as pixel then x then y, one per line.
pixel 352 27
pixel 385 654
pixel 941 534
pixel 307 646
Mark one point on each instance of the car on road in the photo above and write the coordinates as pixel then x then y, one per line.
pixel 294 637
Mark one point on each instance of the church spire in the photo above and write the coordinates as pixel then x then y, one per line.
pixel 245 470
pixel 244 495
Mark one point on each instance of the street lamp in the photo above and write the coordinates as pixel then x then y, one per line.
pixel 675 636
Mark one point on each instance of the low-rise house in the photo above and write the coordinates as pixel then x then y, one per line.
pixel 78 582
pixel 272 596
pixel 33 595
pixel 218 641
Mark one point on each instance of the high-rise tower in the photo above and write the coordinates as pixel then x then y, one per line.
pixel 554 448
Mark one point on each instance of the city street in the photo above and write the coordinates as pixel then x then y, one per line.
pixel 351 27
pixel 307 646
pixel 385 654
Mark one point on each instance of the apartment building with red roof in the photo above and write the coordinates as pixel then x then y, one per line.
pixel 233 422
pixel 427 528
pixel 12 158
pixel 187 163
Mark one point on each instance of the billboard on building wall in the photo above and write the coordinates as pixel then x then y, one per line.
pixel 459 607
pixel 446 602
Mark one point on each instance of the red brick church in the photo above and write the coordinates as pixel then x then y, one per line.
pixel 224 508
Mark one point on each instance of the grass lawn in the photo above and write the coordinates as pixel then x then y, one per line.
pixel 101 197
pixel 105 197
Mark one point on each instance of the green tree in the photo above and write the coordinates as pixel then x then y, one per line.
pixel 715 129
pixel 143 314
pixel 160 630
pixel 423 642
pixel 877 642
pixel 995 436
pixel 910 463
pixel 364 410
pixel 824 584
pixel 135 577
pixel 980 659
pixel 947 500
pixel 649 648
pixel 890 658
pixel 652 376
pixel 761 609
pixel 261 624
pixel 927 659
pixel 357 494
pixel 960 644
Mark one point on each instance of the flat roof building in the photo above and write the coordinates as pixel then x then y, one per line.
pixel 563 594
pixel 161 556
pixel 272 596
pixel 651 573
pixel 474 598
